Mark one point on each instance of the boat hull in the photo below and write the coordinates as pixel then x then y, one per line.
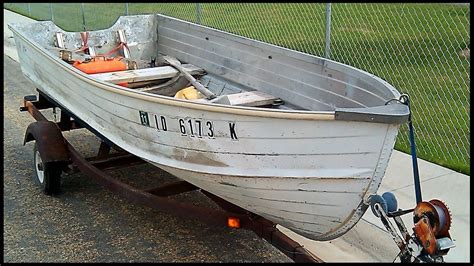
pixel 307 172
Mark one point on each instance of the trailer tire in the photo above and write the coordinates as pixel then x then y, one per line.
pixel 48 175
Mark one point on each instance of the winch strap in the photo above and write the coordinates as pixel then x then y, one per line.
pixel 416 175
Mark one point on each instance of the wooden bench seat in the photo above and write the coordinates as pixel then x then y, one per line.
pixel 248 98
pixel 146 74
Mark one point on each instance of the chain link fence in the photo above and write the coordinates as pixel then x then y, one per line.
pixel 421 49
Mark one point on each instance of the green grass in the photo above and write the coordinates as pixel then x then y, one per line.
pixel 414 47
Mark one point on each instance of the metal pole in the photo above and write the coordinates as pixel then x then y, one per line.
pixel 126 9
pixel 83 17
pixel 198 13
pixel 327 50
pixel 51 11
pixel 29 9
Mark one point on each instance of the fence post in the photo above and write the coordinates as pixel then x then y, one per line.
pixel 126 9
pixel 327 50
pixel 198 13
pixel 83 17
pixel 51 11
pixel 29 9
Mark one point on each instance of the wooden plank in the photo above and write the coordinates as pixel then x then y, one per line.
pixel 249 98
pixel 145 74
pixel 175 63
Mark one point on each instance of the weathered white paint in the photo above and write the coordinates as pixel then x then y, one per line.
pixel 302 169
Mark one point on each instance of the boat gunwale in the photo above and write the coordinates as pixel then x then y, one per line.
pixel 211 107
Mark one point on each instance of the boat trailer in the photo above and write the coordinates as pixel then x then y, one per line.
pixel 53 154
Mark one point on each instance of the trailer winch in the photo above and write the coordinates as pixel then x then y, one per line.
pixel 430 240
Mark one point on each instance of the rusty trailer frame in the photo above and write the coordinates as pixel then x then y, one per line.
pixel 69 159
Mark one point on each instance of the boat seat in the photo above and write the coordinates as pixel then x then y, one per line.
pixel 146 74
pixel 248 98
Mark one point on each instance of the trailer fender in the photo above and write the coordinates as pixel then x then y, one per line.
pixel 49 139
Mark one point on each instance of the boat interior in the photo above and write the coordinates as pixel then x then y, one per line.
pixel 165 56
pixel 161 75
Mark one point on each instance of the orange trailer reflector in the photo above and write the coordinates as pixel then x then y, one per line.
pixel 233 222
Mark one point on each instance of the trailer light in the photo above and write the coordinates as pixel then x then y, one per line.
pixel 233 222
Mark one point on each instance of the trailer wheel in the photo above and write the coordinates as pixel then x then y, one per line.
pixel 48 175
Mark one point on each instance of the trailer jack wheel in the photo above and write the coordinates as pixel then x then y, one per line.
pixel 48 175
